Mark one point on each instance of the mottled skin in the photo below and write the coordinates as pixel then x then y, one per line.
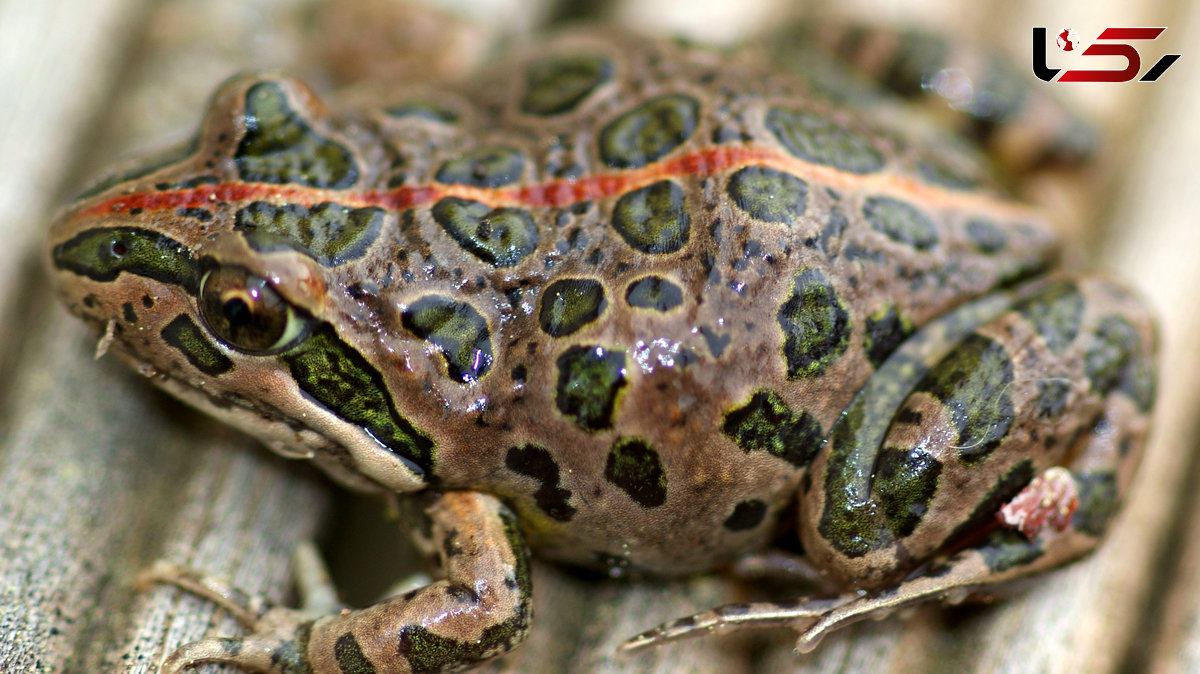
pixel 640 298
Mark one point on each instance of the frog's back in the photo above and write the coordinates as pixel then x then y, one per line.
pixel 626 285
pixel 692 264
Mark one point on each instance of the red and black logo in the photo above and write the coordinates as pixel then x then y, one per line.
pixel 1111 42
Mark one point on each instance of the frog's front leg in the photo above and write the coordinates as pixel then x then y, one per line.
pixel 480 610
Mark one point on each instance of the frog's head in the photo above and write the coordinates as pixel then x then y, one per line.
pixel 209 270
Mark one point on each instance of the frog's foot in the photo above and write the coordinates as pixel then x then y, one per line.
pixel 1035 533
pixel 736 617
pixel 480 610
pixel 813 618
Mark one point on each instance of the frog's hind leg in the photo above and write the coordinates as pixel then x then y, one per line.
pixel 1045 494
pixel 1059 516
pixel 480 610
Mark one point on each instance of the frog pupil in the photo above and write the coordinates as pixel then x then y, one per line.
pixel 118 248
pixel 237 312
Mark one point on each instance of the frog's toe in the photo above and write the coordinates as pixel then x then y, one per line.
pixel 797 614
pixel 245 608
pixel 276 646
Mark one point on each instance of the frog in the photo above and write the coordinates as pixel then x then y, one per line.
pixel 634 305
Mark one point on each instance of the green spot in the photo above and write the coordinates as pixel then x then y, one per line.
pixel 901 222
pixel 330 232
pixel 570 304
pixel 1109 352
pixel 767 424
pixel 1140 382
pixel 850 521
pixel 1097 502
pixel 499 236
pixel 887 329
pixel 1056 311
pixel 816 138
pixel 905 481
pixel 768 194
pixel 873 499
pixel 654 292
pixel 101 254
pixel 1052 398
pixel 649 132
pixel 457 330
pixel 349 656
pixel 493 166
pixel 653 219
pixel 986 236
pixel 339 378
pixel 634 468
pixel 1006 549
pixel 589 379
pixel 975 382
pixel 184 335
pixel 816 325
pixel 558 83
pixel 281 147
pixel 418 109
pixel 939 173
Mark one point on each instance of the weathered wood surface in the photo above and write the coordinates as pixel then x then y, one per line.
pixel 101 475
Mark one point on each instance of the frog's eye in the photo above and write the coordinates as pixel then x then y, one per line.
pixel 246 313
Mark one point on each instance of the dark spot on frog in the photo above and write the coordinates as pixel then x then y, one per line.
pixel 1007 548
pixel 716 342
pixel 128 313
pixel 746 515
pixel 765 423
pixel 147 301
pixel 633 466
pixel 905 481
pixel 1057 312
pixel 1052 398
pixel 450 546
pixel 90 301
pixel 887 328
pixel 518 374
pixel 974 382
pixel 457 329
pixel 280 146
pixel 569 304
pixel 589 381
pixel 348 655
pixel 536 462
pixel 201 214
pixel 815 323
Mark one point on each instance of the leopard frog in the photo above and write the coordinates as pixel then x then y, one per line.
pixel 631 304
